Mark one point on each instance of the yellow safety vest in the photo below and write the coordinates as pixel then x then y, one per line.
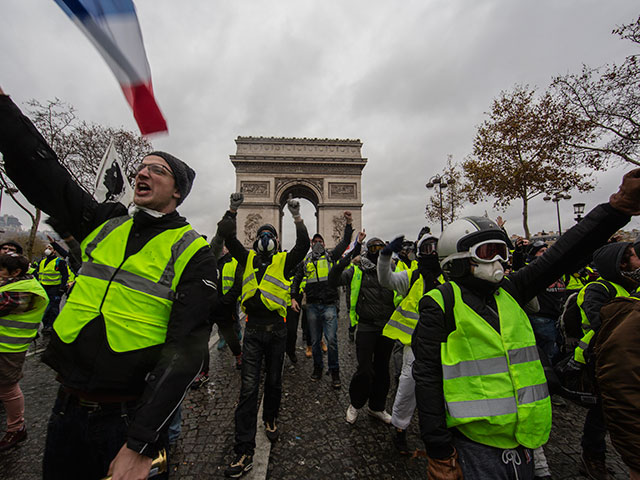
pixel 228 275
pixel 274 288
pixel 17 330
pixel 404 319
pixel 588 332
pixel 317 271
pixel 354 292
pixel 494 385
pixel 47 274
pixel 134 294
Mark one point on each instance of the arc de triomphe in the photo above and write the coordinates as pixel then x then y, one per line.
pixel 325 172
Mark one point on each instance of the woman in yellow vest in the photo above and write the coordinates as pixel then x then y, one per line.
pixel 22 304
pixel 481 391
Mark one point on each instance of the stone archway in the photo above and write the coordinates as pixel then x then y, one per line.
pixel 325 172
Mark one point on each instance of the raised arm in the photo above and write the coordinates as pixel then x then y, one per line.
pixel 397 281
pixel 34 168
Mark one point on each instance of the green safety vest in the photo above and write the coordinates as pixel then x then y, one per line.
pixel 228 275
pixel 356 282
pixel 317 271
pixel 47 274
pixel 495 389
pixel 274 287
pixel 17 330
pixel 583 344
pixel 573 281
pixel 404 319
pixel 134 294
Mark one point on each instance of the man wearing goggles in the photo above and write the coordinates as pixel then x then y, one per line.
pixel 481 391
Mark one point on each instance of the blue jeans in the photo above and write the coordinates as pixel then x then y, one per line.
pixel 258 345
pixel 324 318
pixel 82 442
pixel 546 335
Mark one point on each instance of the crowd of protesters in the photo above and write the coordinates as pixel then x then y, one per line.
pixel 488 331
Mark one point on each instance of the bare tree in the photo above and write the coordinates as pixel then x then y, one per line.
pixel 453 195
pixel 608 98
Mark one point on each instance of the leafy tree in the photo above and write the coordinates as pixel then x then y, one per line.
pixel 608 98
pixel 524 149
pixel 453 195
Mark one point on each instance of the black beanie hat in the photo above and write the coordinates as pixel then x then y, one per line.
pixel 182 173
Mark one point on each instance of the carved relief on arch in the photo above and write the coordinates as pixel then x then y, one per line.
pixel 251 225
pixel 338 228
pixel 314 184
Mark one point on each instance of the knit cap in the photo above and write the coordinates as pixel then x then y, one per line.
pixel 182 173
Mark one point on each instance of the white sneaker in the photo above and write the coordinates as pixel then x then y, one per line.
pixel 352 414
pixel 382 415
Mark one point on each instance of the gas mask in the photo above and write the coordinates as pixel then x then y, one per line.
pixel 266 242
pixel 492 272
pixel 317 249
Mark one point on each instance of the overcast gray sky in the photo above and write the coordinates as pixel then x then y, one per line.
pixel 411 79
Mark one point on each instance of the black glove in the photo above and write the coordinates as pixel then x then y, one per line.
pixel 226 227
pixel 394 245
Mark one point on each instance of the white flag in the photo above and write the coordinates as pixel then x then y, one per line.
pixel 112 185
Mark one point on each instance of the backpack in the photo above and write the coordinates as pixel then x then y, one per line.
pixel 569 323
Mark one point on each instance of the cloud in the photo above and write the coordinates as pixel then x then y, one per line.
pixel 410 79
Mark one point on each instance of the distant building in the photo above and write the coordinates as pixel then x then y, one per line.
pixel 9 223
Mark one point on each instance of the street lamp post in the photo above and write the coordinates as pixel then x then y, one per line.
pixel 578 210
pixel 440 182
pixel 556 197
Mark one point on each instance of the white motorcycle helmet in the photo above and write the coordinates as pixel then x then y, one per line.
pixel 471 239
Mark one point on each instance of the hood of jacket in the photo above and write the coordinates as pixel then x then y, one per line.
pixel 607 261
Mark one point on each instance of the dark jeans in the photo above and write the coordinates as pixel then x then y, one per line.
pixel 258 345
pixel 82 442
pixel 371 380
pixel 482 462
pixel 51 313
pixel 324 319
pixel 293 319
pixel 546 335
pixel 594 433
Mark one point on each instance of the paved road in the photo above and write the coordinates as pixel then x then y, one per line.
pixel 315 441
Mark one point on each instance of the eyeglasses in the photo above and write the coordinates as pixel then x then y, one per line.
pixel 489 251
pixel 155 168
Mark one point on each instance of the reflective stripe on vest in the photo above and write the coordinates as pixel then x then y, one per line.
pixel 356 282
pixel 274 287
pixel 404 319
pixel 229 275
pixel 47 274
pixel 588 333
pixel 494 384
pixel 317 271
pixel 17 330
pixel 133 294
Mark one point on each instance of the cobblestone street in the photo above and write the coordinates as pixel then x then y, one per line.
pixel 315 440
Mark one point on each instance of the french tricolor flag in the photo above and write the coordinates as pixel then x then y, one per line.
pixel 112 26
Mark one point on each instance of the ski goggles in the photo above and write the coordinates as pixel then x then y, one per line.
pixel 428 247
pixel 489 251
pixel 375 248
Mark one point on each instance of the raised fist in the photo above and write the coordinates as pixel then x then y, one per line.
pixel 348 217
pixel 394 245
pixel 235 200
pixel 294 207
